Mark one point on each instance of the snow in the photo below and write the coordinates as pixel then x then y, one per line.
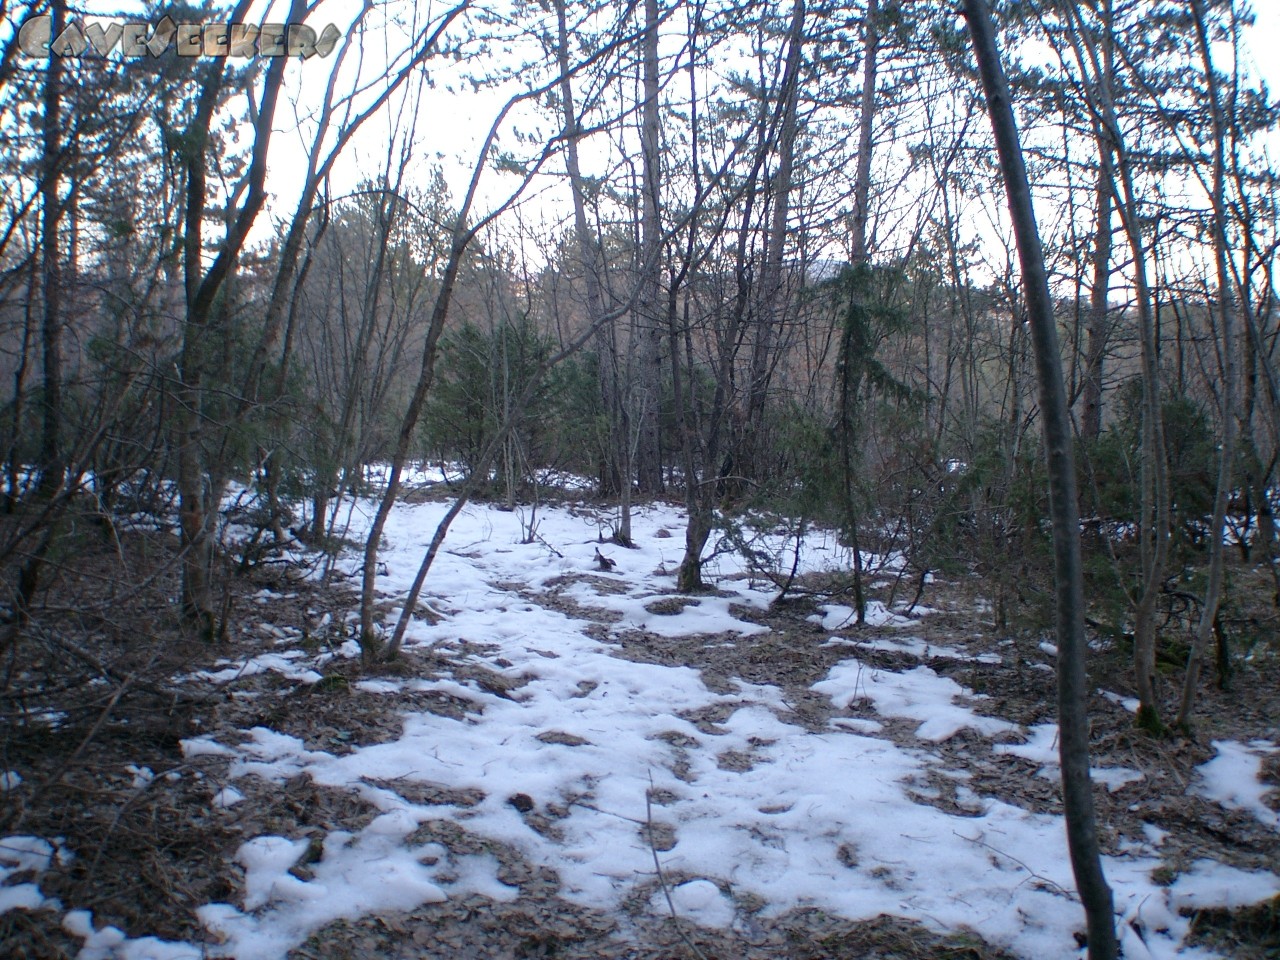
pixel 20 854
pixel 205 747
pixel 757 805
pixel 1129 703
pixel 698 900
pixel 1041 748
pixel 1232 778
pixel 912 646
pixel 110 943
pixel 227 797
pixel 701 615
pixel 836 616
pixel 281 663
pixel 919 694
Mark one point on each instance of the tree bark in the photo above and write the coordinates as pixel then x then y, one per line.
pixel 1227 410
pixel 199 491
pixel 1082 835
pixel 647 397
pixel 1099 323
pixel 772 299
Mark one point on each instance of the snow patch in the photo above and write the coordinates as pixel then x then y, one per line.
pixel 1233 778
pixel 919 694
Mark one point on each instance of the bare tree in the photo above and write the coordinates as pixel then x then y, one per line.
pixel 647 396
pixel 1073 722
pixel 461 235
pixel 1227 406
pixel 200 490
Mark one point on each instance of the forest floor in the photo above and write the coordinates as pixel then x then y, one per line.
pixel 577 763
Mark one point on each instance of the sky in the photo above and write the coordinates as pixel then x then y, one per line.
pixel 1264 39
pixel 451 127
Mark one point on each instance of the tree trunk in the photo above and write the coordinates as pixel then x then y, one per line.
pixel 647 396
pixel 199 488
pixel 1226 321
pixel 1073 725
pixel 854 346
pixel 1099 323
pixel 1154 477
pixel 369 642
pixel 13 458
pixel 616 464
pixel 52 468
pixel 1154 469
pixel 866 129
pixel 772 300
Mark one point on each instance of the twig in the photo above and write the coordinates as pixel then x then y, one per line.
pixel 543 541
pixel 1045 880
pixel 662 879
pixel 120 812
pixel 795 565
pixel 607 813
pixel 107 671
pixel 88 738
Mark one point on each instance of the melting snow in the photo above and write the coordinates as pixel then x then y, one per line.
pixel 756 804
pixel 918 694
pixel 1232 778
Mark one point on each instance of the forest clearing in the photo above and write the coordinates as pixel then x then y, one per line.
pixel 674 479
pixel 561 748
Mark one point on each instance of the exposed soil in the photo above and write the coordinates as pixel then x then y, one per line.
pixel 93 721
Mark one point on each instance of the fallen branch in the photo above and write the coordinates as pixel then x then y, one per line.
pixel 108 672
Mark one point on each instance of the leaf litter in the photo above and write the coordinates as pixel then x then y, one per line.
pixel 809 788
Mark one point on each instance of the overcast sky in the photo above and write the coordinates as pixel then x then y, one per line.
pixel 1265 41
